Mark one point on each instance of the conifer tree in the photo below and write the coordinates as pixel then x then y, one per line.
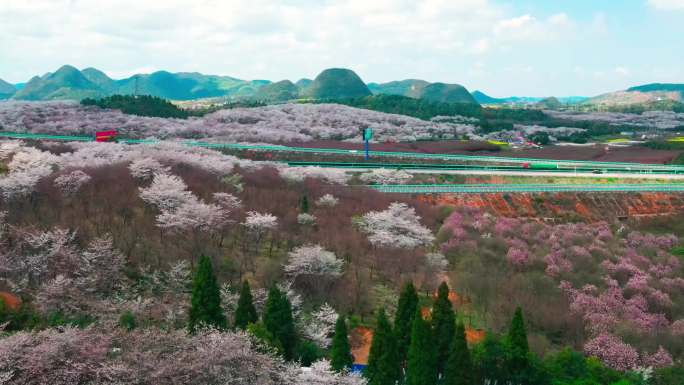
pixel 443 323
pixel 304 205
pixel 421 366
pixel 384 367
pixel 205 309
pixel 459 366
pixel 245 313
pixel 517 345
pixel 279 322
pixel 340 351
pixel 406 310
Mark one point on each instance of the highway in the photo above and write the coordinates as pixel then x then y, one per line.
pixel 525 188
pixel 545 168
pixel 567 164
pixel 491 166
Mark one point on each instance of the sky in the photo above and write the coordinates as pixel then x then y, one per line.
pixel 504 48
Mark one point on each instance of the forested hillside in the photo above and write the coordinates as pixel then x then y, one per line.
pixel 127 247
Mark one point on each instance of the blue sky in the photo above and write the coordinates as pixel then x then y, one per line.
pixel 532 48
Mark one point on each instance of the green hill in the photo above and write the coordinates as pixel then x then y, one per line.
pixel 483 98
pixel 660 87
pixel 99 78
pixel 6 90
pixel 179 86
pixel 420 89
pixel 447 93
pixel 550 103
pixel 66 83
pixel 409 87
pixel 303 83
pixel 70 83
pixel 337 83
pixel 144 105
pixel 281 91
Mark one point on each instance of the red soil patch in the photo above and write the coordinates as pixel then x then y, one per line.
pixel 12 302
pixel 474 336
pixel 589 206
pixel 360 340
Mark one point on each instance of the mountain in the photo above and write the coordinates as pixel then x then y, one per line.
pixel 420 89
pixel 66 83
pixel 70 83
pixel 483 98
pixel 446 93
pixel 337 83
pixel 647 94
pixel 180 86
pixel 550 103
pixel 659 87
pixel 6 90
pixel 303 83
pixel 409 87
pixel 281 91
pixel 100 79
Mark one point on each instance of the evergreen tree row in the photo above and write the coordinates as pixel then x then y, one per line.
pixel 416 349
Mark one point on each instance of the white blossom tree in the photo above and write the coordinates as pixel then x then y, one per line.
pixel 321 373
pixel 146 168
pixel 320 327
pixel 397 227
pixel 327 200
pixel 306 219
pixel 166 192
pixel 313 260
pixel 385 176
pixel 70 183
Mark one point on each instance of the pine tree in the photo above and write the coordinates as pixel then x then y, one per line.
pixel 384 367
pixel 205 306
pixel 459 366
pixel 421 366
pixel 245 313
pixel 278 321
pixel 406 310
pixel 304 205
pixel 517 345
pixel 340 351
pixel 443 322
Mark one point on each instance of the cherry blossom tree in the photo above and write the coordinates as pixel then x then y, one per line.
pixel 320 327
pixel 70 183
pixel 612 351
pixel 306 219
pixel 166 192
pixel 327 200
pixel 660 359
pixel 386 176
pixel 313 260
pixel 397 227
pixel 146 168
pixel 321 373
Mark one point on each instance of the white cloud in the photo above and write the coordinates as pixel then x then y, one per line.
pixel 667 5
pixel 242 39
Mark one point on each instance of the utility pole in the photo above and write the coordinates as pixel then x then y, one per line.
pixel 135 92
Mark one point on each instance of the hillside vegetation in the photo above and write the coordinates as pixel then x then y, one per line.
pixel 337 83
pixel 123 241
pixel 144 105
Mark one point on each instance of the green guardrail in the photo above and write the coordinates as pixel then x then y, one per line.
pixel 471 167
pixel 396 154
pixel 524 188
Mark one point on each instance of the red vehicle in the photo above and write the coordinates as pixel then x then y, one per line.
pixel 105 136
